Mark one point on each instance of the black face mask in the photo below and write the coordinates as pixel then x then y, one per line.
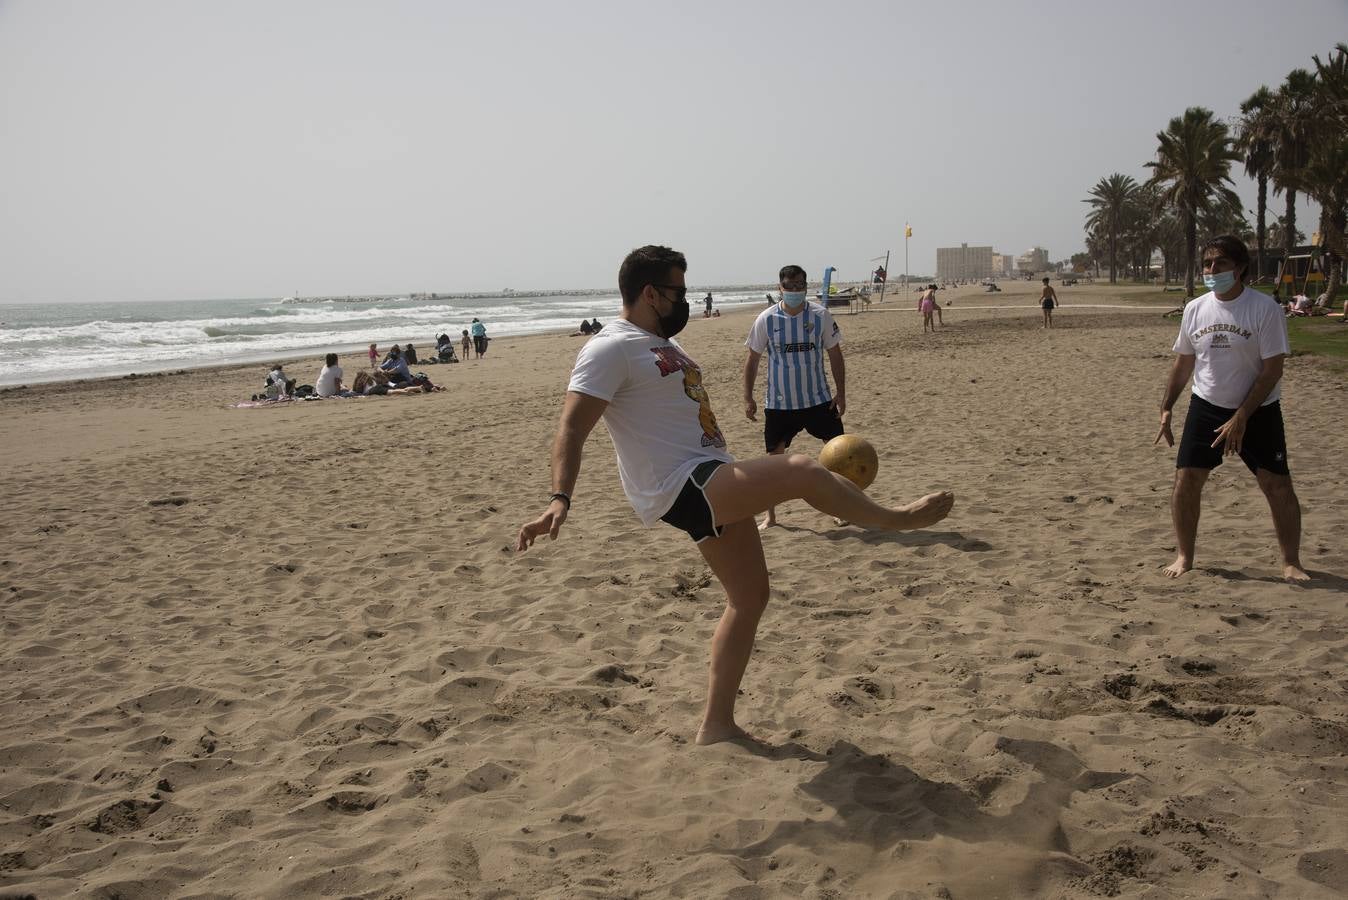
pixel 673 323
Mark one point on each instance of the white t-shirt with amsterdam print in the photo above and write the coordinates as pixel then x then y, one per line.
pixel 1230 340
pixel 658 412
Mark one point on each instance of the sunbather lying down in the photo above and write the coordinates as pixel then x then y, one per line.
pixel 377 383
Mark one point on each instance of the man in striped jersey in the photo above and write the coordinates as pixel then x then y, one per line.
pixel 795 334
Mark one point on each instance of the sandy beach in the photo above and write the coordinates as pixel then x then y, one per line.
pixel 289 652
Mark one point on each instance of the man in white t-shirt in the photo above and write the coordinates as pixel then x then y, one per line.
pixel 796 335
pixel 1233 341
pixel 329 382
pixel 674 466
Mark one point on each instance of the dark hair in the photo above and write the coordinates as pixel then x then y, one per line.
pixel 395 351
pixel 330 359
pixel 791 272
pixel 1232 247
pixel 1045 280
pixel 647 265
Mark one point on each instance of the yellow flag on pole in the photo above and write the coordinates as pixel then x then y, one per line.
pixel 908 231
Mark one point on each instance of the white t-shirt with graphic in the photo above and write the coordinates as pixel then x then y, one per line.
pixel 795 346
pixel 658 412
pixel 1230 340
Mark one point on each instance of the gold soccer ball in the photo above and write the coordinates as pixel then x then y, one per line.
pixel 852 457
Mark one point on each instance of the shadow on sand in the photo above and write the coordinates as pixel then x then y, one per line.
pixel 882 804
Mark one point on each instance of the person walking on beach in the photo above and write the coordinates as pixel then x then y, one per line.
pixel 707 303
pixel 466 345
pixel 795 334
pixel 674 466
pixel 1232 341
pixel 479 338
pixel 1048 299
pixel 928 306
pixel 374 355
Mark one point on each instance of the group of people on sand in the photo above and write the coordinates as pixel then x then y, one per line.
pixel 392 376
pixel 674 466
pixel 930 307
pixel 1303 305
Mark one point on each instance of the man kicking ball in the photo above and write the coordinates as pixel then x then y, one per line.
pixel 674 466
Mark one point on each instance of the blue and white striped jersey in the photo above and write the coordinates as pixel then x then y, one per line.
pixel 794 347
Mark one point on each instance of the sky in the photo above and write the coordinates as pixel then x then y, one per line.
pixel 183 150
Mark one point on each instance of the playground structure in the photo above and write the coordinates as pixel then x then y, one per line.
pixel 1307 270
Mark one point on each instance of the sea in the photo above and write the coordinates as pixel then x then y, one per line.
pixel 66 341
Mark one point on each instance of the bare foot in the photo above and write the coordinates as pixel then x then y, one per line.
pixel 769 522
pixel 1178 567
pixel 715 734
pixel 1294 573
pixel 927 511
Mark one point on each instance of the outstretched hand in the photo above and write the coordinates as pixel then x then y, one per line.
pixel 1165 432
pixel 1232 433
pixel 549 523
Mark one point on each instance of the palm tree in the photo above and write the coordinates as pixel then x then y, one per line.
pixel 1280 235
pixel 1141 234
pixel 1326 172
pixel 1170 240
pixel 1255 142
pixel 1191 172
pixel 1109 201
pixel 1095 246
pixel 1292 123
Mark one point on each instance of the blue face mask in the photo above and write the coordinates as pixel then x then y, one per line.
pixel 1220 282
pixel 793 299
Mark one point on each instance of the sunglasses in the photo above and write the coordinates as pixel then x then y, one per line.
pixel 680 293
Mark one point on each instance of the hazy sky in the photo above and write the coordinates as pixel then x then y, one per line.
pixel 159 150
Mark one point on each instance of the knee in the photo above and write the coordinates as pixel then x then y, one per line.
pixel 750 601
pixel 1189 482
pixel 1277 487
pixel 809 470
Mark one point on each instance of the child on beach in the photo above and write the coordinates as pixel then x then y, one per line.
pixel 927 304
pixel 374 355
pixel 1048 299
pixel 466 344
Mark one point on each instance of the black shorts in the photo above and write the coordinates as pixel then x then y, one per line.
pixel 781 425
pixel 1264 445
pixel 692 511
pixel 1047 304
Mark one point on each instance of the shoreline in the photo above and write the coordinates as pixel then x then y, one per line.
pixel 970 298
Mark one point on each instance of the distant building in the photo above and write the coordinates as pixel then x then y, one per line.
pixel 1003 264
pixel 963 263
pixel 1033 260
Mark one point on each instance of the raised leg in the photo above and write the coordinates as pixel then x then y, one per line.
pixel 736 558
pixel 1286 509
pixel 1185 502
pixel 742 490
